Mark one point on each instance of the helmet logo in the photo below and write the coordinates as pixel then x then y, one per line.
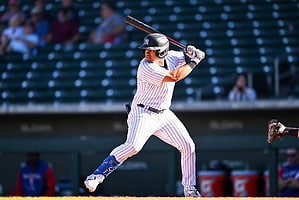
pixel 146 41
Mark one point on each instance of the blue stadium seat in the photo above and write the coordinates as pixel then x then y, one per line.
pixel 234 35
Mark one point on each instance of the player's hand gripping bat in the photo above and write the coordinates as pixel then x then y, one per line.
pixel 277 130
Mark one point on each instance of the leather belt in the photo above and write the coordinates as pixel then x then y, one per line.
pixel 151 108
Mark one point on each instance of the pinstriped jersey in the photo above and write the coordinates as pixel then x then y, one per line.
pixel 150 89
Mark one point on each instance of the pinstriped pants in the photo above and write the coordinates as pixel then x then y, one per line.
pixel 143 123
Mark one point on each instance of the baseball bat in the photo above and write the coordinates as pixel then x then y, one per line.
pixel 148 29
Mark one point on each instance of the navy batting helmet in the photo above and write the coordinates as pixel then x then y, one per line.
pixel 158 42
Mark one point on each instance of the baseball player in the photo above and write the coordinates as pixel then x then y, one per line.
pixel 277 130
pixel 150 115
pixel 288 174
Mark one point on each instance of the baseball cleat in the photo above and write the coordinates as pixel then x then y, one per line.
pixel 92 181
pixel 192 193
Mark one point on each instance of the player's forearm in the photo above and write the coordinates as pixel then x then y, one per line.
pixel 183 71
pixel 290 131
pixel 283 183
pixel 294 184
pixel 178 74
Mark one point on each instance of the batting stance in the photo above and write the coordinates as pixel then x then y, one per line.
pixel 277 130
pixel 150 114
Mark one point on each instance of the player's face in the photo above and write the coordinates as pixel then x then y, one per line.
pixel 241 81
pixel 292 155
pixel 150 55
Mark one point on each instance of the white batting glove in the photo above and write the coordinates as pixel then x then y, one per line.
pixel 199 54
pixel 194 54
pixel 190 51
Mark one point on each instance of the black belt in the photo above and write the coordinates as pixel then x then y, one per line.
pixel 151 108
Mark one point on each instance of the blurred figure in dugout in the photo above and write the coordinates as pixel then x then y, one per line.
pixel 35 177
pixel 288 174
pixel 241 91
pixel 112 29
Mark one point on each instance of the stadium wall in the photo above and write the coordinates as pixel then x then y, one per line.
pixel 74 139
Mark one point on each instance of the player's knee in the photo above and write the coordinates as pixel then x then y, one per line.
pixel 133 149
pixel 191 147
pixel 188 147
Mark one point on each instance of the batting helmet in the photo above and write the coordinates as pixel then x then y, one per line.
pixel 158 42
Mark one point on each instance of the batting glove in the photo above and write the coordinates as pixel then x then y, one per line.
pixel 275 130
pixel 190 49
pixel 194 54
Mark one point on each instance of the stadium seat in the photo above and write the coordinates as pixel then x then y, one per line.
pixel 235 35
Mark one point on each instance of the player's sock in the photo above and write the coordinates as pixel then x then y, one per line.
pixel 108 166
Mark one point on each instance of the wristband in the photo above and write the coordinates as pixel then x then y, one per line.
pixel 290 131
pixel 192 64
pixel 187 58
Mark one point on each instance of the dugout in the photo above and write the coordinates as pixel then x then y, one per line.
pixel 74 139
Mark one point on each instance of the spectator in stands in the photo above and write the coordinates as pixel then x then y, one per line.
pixel 111 29
pixel 288 174
pixel 288 78
pixel 14 30
pixel 41 25
pixel 1 14
pixel 1 25
pixel 63 30
pixel 26 42
pixel 241 91
pixel 41 5
pixel 35 177
pixel 72 9
pixel 13 9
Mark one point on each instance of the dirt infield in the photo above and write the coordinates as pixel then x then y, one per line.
pixel 144 198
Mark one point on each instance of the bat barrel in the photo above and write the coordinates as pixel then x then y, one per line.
pixel 148 29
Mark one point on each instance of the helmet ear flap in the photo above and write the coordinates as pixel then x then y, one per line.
pixel 158 54
pixel 161 53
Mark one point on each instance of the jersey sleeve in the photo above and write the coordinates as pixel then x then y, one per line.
pixel 175 59
pixel 151 72
pixel 154 74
